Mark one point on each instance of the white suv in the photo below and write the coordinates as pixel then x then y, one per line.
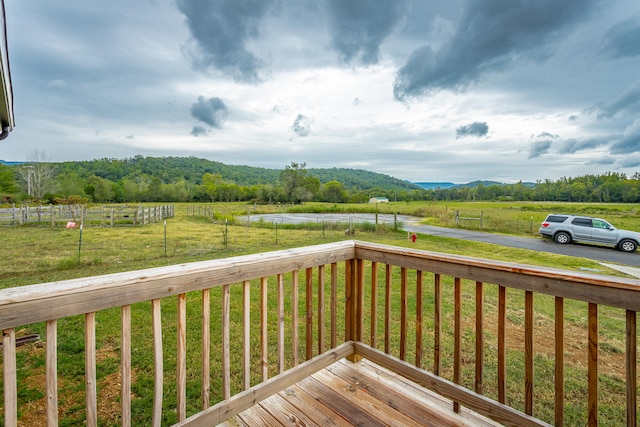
pixel 571 228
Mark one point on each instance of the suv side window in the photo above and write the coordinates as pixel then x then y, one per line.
pixel 556 218
pixel 600 224
pixel 584 222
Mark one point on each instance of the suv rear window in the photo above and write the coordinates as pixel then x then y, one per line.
pixel 556 218
pixel 585 222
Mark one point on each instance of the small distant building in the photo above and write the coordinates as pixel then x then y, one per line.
pixel 378 200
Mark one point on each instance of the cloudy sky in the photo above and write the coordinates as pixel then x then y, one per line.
pixel 439 90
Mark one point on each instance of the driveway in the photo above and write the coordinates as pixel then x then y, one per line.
pixel 412 225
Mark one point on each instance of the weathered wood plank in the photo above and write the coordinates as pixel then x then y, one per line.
pixel 319 413
pixel 614 292
pixel 481 404
pixel 294 318
pixel 417 408
pixel 37 303
pixel 264 329
pixel 245 399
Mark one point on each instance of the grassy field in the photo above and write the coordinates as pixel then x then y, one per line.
pixel 41 254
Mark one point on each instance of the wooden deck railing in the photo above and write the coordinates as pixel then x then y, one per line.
pixel 448 320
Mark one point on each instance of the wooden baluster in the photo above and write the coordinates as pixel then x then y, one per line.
pixel 631 340
pixel 90 368
pixel 10 380
pixel 309 314
pixel 321 321
pixel 246 335
pixel 348 303
pixel 457 335
pixel 52 375
pixel 437 323
pixel 387 309
pixel 181 359
pixel 403 313
pixel 479 337
pixel 502 344
pixel 334 304
pixel 419 286
pixel 205 349
pixel 280 278
pixel 294 317
pixel 593 365
pixel 226 353
pixel 264 350
pixel 559 361
pixel 158 369
pixel 360 308
pixel 125 363
pixel 374 305
pixel 528 352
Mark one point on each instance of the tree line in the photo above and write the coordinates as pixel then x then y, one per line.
pixel 175 179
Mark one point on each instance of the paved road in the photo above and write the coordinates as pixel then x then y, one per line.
pixel 411 224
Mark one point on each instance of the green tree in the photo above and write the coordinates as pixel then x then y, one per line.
pixel 334 193
pixel 297 185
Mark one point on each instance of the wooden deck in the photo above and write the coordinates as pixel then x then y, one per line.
pixel 361 394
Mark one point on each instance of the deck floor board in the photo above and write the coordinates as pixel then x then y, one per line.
pixel 360 394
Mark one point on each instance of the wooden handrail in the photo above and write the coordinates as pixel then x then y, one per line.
pixel 346 306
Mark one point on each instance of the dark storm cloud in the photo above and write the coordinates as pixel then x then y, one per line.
pixel 573 145
pixel 602 161
pixel 539 148
pixel 630 140
pixel 358 27
pixel 211 111
pixel 302 125
pixel 221 30
pixel 623 39
pixel 490 36
pixel 199 131
pixel 477 129
pixel 629 101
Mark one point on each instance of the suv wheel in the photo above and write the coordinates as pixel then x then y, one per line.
pixel 628 246
pixel 562 238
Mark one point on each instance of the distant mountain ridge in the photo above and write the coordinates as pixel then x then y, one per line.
pixel 191 169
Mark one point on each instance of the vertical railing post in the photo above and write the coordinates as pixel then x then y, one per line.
pixel 226 352
pixel 309 313
pixel 631 343
pixel 181 358
pixel 294 317
pixel 502 342
pixel 437 323
pixel 419 286
pixel 479 337
pixel 52 373
pixel 9 377
pixel 387 308
pixel 457 335
pixel 90 369
pixel 205 361
pixel 592 369
pixel 559 362
pixel 528 353
pixel 125 364
pixel 374 304
pixel 403 313
pixel 321 320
